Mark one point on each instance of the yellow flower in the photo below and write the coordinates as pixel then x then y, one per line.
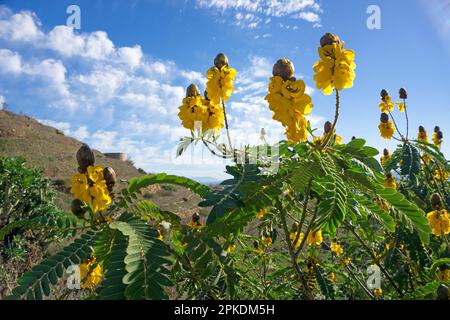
pixel 444 274
pixel 262 213
pixel 386 104
pixel 422 135
pixel 437 142
pixel 193 110
pixel 387 130
pixel 401 106
pixel 101 198
pixel 290 105
pixel 338 139
pixel 390 182
pixel 426 159
pixel 332 276
pixel 95 174
pixel 91 273
pixel 231 248
pixel 441 174
pixel 219 85
pixel 440 222
pixel 267 241
pixel 197 225
pixel 214 116
pixel 80 188
pixel 382 204
pixel 296 235
pixel 160 235
pixel 315 237
pixel 335 69
pixel 337 248
pixel 345 262
pixel 378 292
pixel 385 157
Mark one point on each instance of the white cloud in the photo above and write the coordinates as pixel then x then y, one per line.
pixel 2 102
pixel 10 62
pixel 249 13
pixel 308 16
pixel 22 26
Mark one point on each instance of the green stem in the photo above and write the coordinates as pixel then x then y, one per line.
pixel 336 117
pixel 226 125
pixel 407 119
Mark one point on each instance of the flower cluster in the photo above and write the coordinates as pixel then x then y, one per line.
pixel 335 69
pixel 439 221
pixel 336 248
pixel 422 136
pixel 386 126
pixel 385 157
pixel 437 137
pixel 219 85
pixel 91 273
pixel 289 102
pixel 93 185
pixel 196 109
pixel 390 182
pixel 315 237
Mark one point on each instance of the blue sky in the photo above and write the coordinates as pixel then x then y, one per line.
pixel 116 84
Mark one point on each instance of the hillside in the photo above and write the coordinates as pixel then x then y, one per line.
pixel 49 149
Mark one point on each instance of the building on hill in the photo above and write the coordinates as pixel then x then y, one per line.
pixel 117 155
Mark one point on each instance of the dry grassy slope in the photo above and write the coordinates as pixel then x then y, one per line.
pixel 49 149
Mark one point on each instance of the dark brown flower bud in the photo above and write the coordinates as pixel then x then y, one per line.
pixel 327 127
pixel 77 208
pixel 384 118
pixel 384 94
pixel 85 158
pixel 256 244
pixel 443 267
pixel 205 94
pixel 329 38
pixel 195 217
pixel 192 91
pixel 437 129
pixel 435 200
pixel 353 138
pixel 386 152
pixel 443 292
pixel 295 227
pixel 110 176
pixel 421 129
pixel 284 68
pixel 221 60
pixel 440 135
pixel 403 93
pixel 389 175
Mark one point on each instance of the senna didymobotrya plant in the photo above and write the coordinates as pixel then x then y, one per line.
pixel 331 223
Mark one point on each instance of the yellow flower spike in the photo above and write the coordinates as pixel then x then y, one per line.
pixel 382 204
pixel 444 273
pixel 437 137
pixel 441 174
pixel 219 85
pixel 440 222
pixel 337 248
pixel 95 174
pixel 335 69
pixel 261 214
pixel 332 276
pixel 231 248
pixel 267 241
pixel 345 262
pixel 378 292
pixel 195 222
pixel 296 235
pixel 390 182
pixel 422 135
pixel 80 188
pixel 315 237
pixel 160 235
pixel 288 101
pixel 91 273
pixel 387 130
pixel 338 140
pixel 385 157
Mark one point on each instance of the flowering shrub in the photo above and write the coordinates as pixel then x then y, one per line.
pixel 314 229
